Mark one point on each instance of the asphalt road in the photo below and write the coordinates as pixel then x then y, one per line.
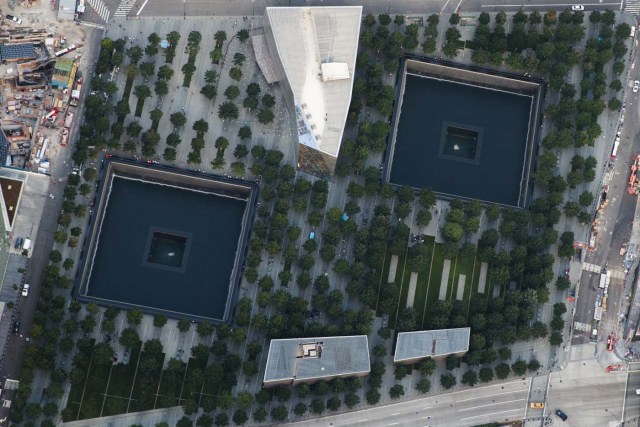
pixel 407 7
pixel 43 242
pixel 632 407
pixel 462 408
pixel 616 224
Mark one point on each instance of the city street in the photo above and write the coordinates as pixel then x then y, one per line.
pixel 615 230
pixel 61 166
pixel 463 408
pixel 406 7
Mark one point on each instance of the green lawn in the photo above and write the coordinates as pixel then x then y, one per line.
pixel 384 274
pixel 423 279
pixel 401 282
pixel 125 381
pixel 195 369
pixel 430 275
pixel 95 389
pixel 114 406
pixel 433 293
pixel 171 387
pixel 122 376
pixel 75 394
pixel 464 265
pixel 144 390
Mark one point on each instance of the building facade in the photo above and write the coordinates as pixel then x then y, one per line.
pixel 312 54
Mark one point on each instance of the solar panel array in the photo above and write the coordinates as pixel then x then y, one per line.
pixel 9 52
pixel 4 148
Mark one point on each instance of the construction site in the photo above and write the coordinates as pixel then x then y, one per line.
pixel 41 84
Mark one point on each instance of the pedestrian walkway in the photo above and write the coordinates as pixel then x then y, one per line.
pixel 100 8
pixel 413 281
pixel 460 291
pixel 632 7
pixel 585 327
pixel 483 277
pixel 617 274
pixel 124 8
pixel 392 269
pixel 592 267
pixel 444 282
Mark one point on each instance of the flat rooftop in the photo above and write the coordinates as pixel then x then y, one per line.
pixel 300 359
pixel 317 47
pixel 422 344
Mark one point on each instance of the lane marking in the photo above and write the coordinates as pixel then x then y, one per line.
pixel 489 395
pixel 550 4
pixel 492 404
pixel 445 5
pixel 488 415
pixel 142 7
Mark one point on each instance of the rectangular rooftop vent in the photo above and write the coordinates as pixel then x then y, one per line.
pixel 334 71
pixel 310 350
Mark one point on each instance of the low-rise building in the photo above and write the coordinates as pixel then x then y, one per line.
pixel 307 360
pixel 412 347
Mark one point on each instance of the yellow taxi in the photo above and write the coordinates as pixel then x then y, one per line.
pixel 536 405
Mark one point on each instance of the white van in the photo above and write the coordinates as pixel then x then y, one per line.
pixel 26 245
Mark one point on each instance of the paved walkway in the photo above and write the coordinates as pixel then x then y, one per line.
pixel 412 289
pixel 460 291
pixel 482 280
pixel 145 419
pixel 392 269
pixel 444 282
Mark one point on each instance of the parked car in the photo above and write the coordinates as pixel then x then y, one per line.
pixel 636 86
pixel 25 290
pixel 16 327
pixel 577 7
pixel 561 415
pixel 14 19
pixel 536 405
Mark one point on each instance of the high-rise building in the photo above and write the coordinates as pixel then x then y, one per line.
pixel 311 52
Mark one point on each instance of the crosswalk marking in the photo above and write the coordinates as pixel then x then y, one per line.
pixel 582 326
pixel 632 7
pixel 124 8
pixel 591 267
pixel 101 9
pixel 617 274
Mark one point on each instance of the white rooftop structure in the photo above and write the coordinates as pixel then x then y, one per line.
pixel 298 360
pixel 413 346
pixel 316 49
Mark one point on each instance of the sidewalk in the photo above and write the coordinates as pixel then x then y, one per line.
pixel 146 418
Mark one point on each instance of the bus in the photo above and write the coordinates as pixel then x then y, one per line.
pixel 603 280
pixel 614 152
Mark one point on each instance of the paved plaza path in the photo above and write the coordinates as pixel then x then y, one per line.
pixel 445 279
pixel 412 289
pixel 392 269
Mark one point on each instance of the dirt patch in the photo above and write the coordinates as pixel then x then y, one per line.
pixel 11 190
